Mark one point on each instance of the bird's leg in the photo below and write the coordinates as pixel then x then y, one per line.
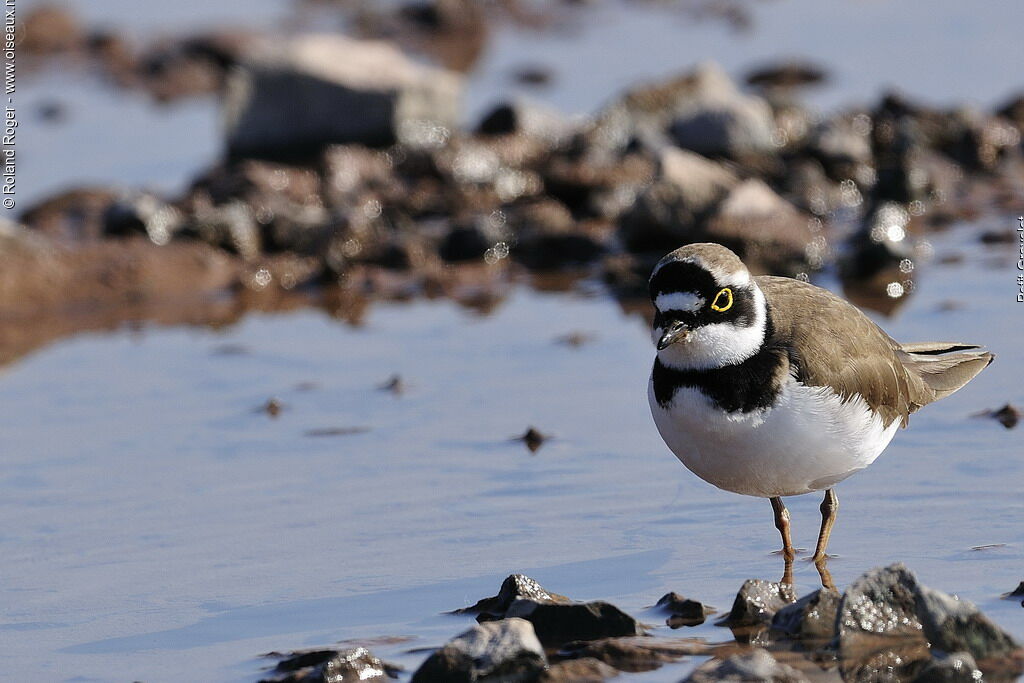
pixel 826 575
pixel 829 511
pixel 782 524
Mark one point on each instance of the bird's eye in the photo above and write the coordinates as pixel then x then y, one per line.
pixel 723 301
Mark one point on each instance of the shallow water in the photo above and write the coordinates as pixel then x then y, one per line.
pixel 155 525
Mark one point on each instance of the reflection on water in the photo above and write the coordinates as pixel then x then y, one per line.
pixel 150 512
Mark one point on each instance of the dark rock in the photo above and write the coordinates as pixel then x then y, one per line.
pixel 332 666
pixel 766 229
pixel 272 407
pixel 683 611
pixel 575 339
pixel 506 650
pixel 671 211
pixel 757 602
pixel 394 385
pixel 997 237
pixel 954 625
pixel 585 670
pixel 757 665
pixel 533 439
pixel 843 146
pixel 304 94
pixel 558 623
pixel 882 242
pixel 143 213
pixel 1016 592
pixel 535 75
pixel 712 117
pixel 900 660
pixel 464 244
pixel 878 609
pixel 514 587
pixel 634 654
pixel 1008 416
pixel 526 118
pixel 958 667
pixel 790 74
pixel 812 617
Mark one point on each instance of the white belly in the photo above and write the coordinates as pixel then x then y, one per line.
pixel 808 441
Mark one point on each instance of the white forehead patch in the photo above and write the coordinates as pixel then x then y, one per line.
pixel 679 301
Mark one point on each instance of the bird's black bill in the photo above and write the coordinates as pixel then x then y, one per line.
pixel 677 331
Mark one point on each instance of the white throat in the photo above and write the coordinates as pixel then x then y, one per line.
pixel 717 344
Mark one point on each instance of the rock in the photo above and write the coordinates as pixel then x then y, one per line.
pixel 1016 592
pixel 558 623
pixel 231 226
pixel 882 242
pixel 514 587
pixel 548 238
pixel 507 649
pixel 528 119
pixel 332 666
pixel 300 95
pixel 756 665
pixel 671 210
pixel 954 625
pixel 75 215
pixel 683 611
pixel 49 29
pixel 757 602
pixel 1008 416
pixel 533 439
pixel 958 667
pixel 878 609
pixel 791 74
pixel 143 213
pixel 762 226
pixel 634 654
pixel 585 670
pixel 712 117
pixel 843 146
pixel 812 617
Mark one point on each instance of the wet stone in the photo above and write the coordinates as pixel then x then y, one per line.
pixel 1017 592
pixel 714 118
pixel 585 670
pixel 876 609
pixel 812 617
pixel 757 665
pixel 958 667
pixel 683 611
pixel 954 625
pixel 757 602
pixel 514 587
pixel 507 649
pixel 559 623
pixel 331 666
pixel 634 654
pixel 328 74
pixel 1008 416
pixel 533 439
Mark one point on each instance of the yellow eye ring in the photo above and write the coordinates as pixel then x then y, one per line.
pixel 722 308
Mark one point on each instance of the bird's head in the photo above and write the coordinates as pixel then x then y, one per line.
pixel 709 312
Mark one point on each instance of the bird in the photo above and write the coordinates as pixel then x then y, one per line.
pixel 771 386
